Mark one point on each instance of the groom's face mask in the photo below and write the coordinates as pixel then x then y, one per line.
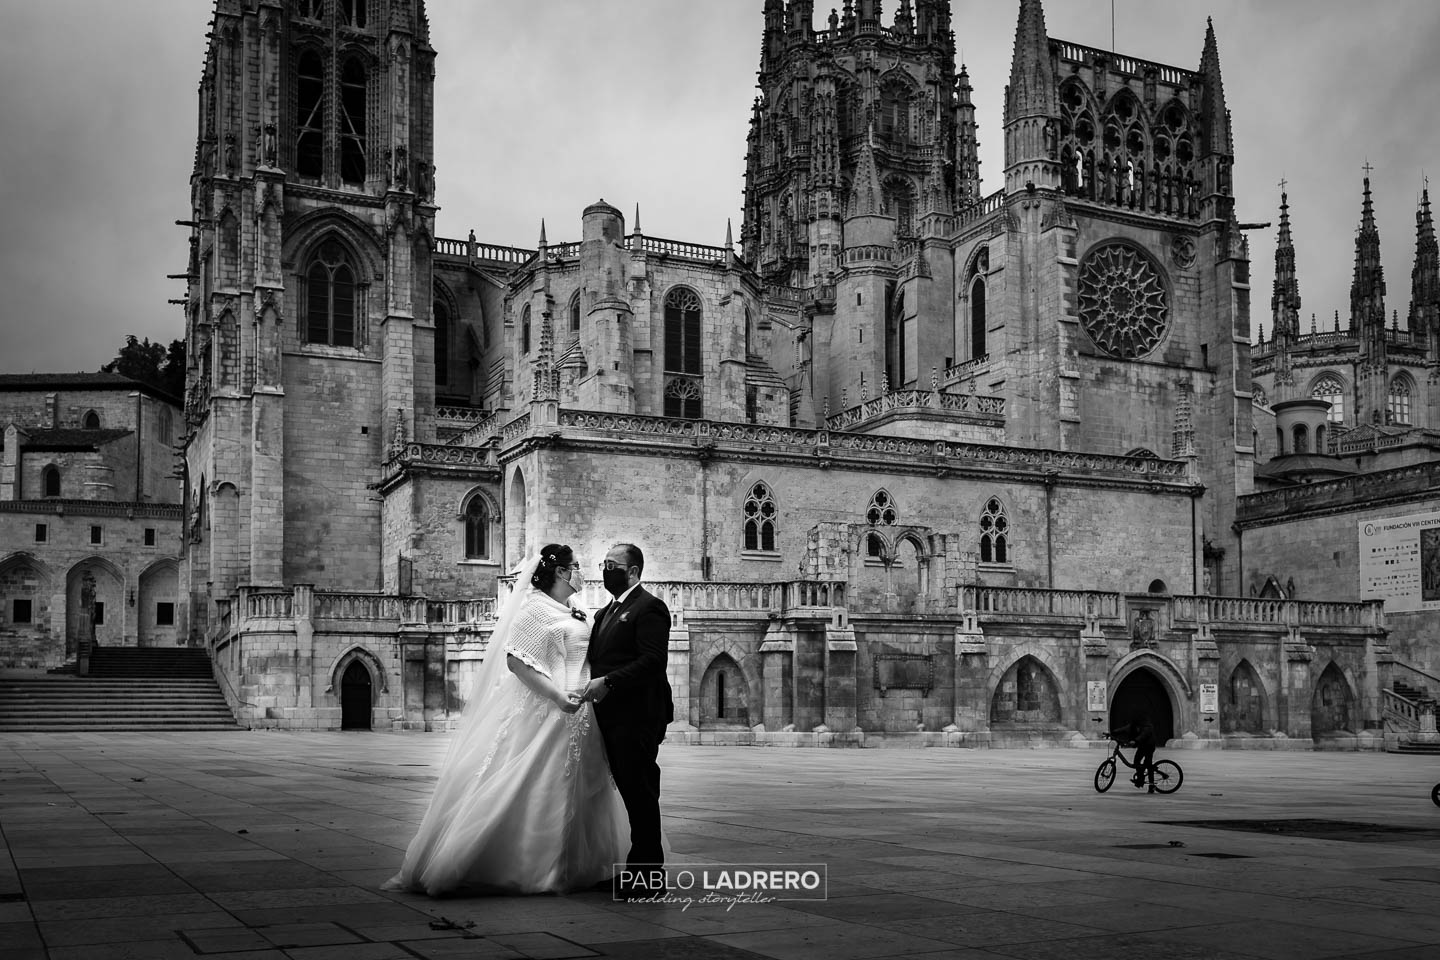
pixel 616 580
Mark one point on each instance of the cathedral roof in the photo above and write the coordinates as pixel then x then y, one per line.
pixel 757 371
pixel 1296 465
pixel 67 439
pixel 98 380
pixel 571 357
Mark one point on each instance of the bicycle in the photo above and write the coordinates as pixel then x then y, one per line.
pixel 1165 775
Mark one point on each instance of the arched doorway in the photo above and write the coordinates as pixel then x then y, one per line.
pixel 724 696
pixel 1330 707
pixel 356 698
pixel 1026 694
pixel 1243 709
pixel 1143 693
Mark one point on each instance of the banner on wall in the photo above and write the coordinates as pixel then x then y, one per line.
pixel 1209 698
pixel 1400 562
pixel 1095 696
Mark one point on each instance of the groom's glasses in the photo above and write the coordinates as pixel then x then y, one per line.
pixel 611 565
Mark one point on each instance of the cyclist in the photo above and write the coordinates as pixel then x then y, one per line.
pixel 1141 732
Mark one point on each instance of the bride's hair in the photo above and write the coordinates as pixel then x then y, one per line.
pixel 552 555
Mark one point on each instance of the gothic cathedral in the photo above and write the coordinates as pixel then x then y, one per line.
pixel 906 459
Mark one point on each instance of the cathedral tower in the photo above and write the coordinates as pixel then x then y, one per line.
pixel 824 95
pixel 308 308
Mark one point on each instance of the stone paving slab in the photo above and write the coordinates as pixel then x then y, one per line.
pixel 272 846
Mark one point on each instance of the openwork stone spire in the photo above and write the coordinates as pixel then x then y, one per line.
pixel 1424 315
pixel 1367 289
pixel 1285 302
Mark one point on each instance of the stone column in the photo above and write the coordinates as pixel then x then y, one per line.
pixel 677 671
pixel 840 694
pixel 972 713
pixel 304 610
pixel 777 664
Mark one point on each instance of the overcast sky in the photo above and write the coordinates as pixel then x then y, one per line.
pixel 544 106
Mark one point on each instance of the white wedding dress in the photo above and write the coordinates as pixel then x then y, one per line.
pixel 525 802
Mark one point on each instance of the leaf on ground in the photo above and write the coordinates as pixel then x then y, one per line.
pixel 445 923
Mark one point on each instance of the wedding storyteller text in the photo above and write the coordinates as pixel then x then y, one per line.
pixel 729 883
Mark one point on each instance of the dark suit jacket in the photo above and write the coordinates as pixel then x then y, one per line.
pixel 630 644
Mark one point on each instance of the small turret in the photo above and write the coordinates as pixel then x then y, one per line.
pixel 1367 288
pixel 905 19
pixel 1032 106
pixel 1285 306
pixel 967 144
pixel 1424 318
pixel 1217 152
pixel 1285 301
pixel 772 48
pixel 802 21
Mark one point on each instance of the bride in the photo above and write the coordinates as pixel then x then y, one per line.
pixel 524 802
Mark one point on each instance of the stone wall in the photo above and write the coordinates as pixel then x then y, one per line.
pixel 1320 553
pixel 332 428
pixel 132 577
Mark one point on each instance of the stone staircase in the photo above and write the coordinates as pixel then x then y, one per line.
pixel 1410 692
pixel 128 688
pixel 1408 713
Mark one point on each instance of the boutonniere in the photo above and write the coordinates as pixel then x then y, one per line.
pixel 578 614
pixel 623 617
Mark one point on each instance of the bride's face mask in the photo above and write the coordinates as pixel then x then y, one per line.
pixel 567 576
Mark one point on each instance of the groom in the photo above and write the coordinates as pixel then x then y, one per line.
pixel 629 648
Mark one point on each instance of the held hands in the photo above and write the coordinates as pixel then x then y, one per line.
pixel 594 691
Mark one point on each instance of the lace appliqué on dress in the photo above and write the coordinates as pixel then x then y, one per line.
pixel 578 727
pixel 521 700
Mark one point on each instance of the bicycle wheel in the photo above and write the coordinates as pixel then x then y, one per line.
pixel 1105 775
pixel 1167 776
pixel 1435 794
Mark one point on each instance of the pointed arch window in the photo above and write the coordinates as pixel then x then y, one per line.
pixel 330 297
pixel 50 481
pixel 310 115
pixel 442 342
pixel 92 420
pixel 525 330
pixel 1329 387
pixel 760 518
pixel 994 533
pixel 477 528
pixel 308 9
pixel 683 377
pixel 977 319
pixel 575 312
pixel 1398 407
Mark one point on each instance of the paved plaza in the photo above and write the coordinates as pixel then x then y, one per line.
pixel 264 846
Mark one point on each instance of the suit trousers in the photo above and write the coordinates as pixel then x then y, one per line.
pixel 632 750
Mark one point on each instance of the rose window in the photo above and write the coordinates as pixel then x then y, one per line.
pixel 1122 301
